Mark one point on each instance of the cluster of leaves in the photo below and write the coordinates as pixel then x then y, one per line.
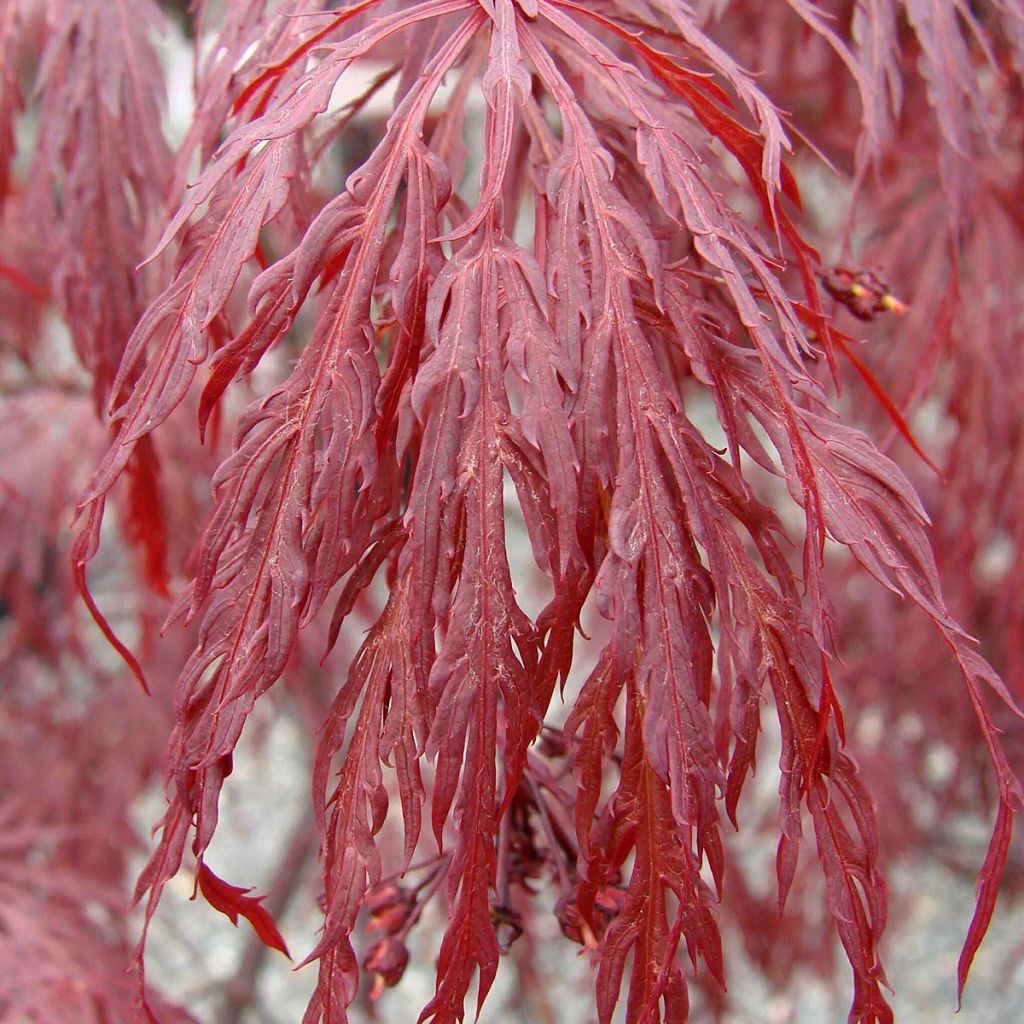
pixel 593 307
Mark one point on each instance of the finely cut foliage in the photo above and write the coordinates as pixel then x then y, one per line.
pixel 569 282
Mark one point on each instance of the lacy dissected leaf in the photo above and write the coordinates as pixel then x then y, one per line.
pixel 641 818
pixel 481 675
pixel 243 190
pixel 873 28
pixel 389 724
pixel 99 171
pixel 309 446
pixel 946 64
pixel 93 194
pixel 847 849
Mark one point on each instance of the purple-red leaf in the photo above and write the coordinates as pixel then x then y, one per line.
pixel 232 901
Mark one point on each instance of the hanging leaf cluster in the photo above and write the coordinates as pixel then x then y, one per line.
pixel 568 283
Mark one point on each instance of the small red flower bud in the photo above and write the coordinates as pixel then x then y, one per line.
pixel 383 896
pixel 864 293
pixel 388 959
pixel 389 906
pixel 569 918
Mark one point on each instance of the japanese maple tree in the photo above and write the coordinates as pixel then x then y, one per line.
pixel 567 280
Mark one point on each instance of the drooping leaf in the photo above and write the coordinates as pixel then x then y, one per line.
pixel 234 901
